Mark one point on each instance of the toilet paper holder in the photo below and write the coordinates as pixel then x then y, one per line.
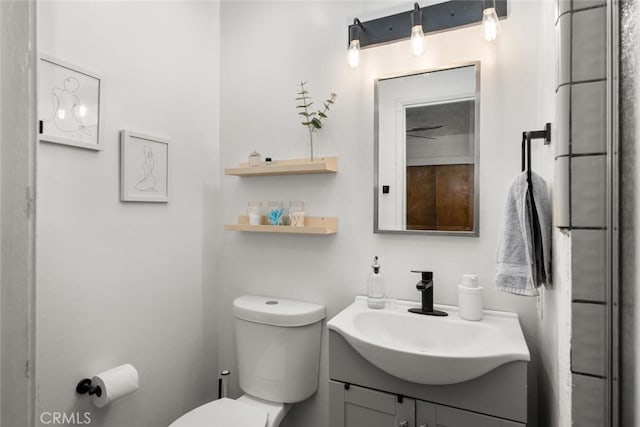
pixel 85 387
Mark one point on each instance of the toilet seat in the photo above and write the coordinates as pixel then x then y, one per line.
pixel 223 413
pixel 275 411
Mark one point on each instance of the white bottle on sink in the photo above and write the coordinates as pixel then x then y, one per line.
pixel 375 287
pixel 470 298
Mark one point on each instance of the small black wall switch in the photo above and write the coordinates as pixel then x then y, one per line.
pixel 385 189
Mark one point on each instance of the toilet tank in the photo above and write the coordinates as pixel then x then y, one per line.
pixel 278 347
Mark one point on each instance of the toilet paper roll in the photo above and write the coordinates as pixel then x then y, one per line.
pixel 114 384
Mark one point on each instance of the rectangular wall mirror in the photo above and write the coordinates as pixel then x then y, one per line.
pixel 426 152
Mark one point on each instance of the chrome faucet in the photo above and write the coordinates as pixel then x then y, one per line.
pixel 425 285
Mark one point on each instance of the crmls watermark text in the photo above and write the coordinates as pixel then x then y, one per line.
pixel 64 418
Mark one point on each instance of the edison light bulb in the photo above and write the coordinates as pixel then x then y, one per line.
pixel 353 55
pixel 490 23
pixel 417 40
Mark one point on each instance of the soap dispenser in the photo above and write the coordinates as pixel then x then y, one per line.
pixel 375 287
pixel 470 298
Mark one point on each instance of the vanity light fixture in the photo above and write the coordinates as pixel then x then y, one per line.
pixel 414 24
pixel 417 35
pixel 490 21
pixel 353 55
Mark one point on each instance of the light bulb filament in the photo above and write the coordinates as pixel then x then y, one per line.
pixel 353 55
pixel 417 40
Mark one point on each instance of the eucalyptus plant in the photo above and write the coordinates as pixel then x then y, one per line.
pixel 313 120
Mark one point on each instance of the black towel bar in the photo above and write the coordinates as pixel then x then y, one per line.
pixel 527 137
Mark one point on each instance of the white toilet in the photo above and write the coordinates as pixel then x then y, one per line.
pixel 278 348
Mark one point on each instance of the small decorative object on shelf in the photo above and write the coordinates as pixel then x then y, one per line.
pixel 296 213
pixel 254 211
pixel 267 161
pixel 276 213
pixel 312 119
pixel 255 159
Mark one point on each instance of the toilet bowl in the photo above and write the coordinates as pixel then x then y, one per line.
pixel 223 413
pixel 275 411
pixel 246 411
pixel 278 348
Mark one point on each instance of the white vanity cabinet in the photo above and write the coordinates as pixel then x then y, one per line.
pixel 432 415
pixel 361 395
pixel 354 406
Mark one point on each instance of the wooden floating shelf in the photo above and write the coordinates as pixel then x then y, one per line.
pixel 312 225
pixel 287 167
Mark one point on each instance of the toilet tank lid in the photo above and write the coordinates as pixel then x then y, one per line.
pixel 277 311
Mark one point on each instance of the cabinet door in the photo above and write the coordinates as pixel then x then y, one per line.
pixel 362 407
pixel 431 415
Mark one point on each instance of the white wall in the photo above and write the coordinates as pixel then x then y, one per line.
pixel 17 141
pixel 554 322
pixel 266 48
pixel 126 282
pixel 211 212
pixel 635 33
pixel 1 62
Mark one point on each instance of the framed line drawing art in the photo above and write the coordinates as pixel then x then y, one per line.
pixel 144 168
pixel 70 110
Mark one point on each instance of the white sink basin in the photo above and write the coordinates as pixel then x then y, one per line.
pixel 428 349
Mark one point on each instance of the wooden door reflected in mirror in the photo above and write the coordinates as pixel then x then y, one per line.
pixel 440 197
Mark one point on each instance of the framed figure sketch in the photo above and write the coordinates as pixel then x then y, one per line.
pixel 69 104
pixel 144 168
